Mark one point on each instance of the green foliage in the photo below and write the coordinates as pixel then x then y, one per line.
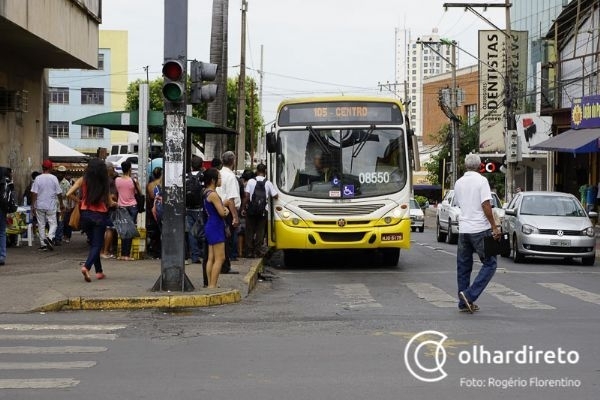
pixel 254 121
pixel 421 200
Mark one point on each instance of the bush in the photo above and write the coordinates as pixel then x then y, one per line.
pixel 421 200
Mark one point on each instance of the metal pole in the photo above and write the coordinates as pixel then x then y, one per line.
pixel 509 102
pixel 241 114
pixel 455 129
pixel 172 263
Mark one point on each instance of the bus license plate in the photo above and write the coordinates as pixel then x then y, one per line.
pixel 391 237
pixel 560 242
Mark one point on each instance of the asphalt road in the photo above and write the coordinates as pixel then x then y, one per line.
pixel 336 329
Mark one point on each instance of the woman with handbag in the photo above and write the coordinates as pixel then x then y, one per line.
pixel 94 205
pixel 126 189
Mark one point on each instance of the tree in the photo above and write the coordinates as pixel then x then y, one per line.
pixel 253 123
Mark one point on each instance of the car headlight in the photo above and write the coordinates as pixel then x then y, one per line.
pixel 591 232
pixel 528 229
pixel 419 218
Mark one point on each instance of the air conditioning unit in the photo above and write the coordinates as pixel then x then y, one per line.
pixel 13 100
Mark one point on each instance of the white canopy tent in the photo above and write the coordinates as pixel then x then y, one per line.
pixel 58 150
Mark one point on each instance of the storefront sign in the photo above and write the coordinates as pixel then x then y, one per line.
pixel 585 112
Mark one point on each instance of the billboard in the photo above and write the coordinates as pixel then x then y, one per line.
pixel 492 78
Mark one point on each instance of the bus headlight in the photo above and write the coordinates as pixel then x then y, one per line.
pixel 290 219
pixel 392 217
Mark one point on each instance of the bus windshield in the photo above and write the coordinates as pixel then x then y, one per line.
pixel 341 163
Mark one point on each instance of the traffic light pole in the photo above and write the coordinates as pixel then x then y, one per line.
pixel 173 277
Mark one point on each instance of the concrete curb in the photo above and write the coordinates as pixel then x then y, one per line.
pixel 145 302
pixel 166 302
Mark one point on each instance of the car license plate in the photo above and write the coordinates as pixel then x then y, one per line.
pixel 391 237
pixel 560 242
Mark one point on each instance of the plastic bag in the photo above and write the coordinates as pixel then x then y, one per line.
pixel 124 224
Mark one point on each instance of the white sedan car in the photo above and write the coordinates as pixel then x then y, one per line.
pixel 448 213
pixel 417 217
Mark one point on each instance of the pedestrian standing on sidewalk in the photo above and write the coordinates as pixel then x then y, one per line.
pixel 473 195
pixel 46 200
pixel 214 228
pixel 63 230
pixel 94 205
pixel 194 207
pixel 126 187
pixel 229 190
pixel 6 180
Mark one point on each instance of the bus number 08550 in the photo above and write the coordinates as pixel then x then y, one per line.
pixel 374 177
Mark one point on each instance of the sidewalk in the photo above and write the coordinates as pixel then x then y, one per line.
pixel 35 281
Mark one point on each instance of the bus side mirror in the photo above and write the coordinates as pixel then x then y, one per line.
pixel 271 142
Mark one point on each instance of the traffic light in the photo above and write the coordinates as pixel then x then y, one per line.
pixel 200 73
pixel 174 81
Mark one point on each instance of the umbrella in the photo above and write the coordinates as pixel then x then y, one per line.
pixel 128 121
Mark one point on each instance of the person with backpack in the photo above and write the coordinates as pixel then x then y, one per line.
pixel 194 223
pixel 255 207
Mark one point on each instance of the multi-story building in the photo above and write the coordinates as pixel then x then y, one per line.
pixel 416 60
pixel 78 93
pixel 37 35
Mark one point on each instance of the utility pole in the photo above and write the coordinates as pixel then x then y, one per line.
pixel 451 112
pixel 510 133
pixel 241 112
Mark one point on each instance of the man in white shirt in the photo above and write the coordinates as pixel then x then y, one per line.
pixel 46 195
pixel 473 196
pixel 230 190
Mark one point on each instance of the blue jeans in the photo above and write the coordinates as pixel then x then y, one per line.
pixel 469 243
pixel 94 223
pixel 126 243
pixel 2 236
pixel 195 243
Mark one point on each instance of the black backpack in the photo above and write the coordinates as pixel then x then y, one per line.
pixel 258 203
pixel 193 190
pixel 8 203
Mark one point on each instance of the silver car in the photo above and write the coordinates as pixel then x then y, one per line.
pixel 549 224
pixel 417 217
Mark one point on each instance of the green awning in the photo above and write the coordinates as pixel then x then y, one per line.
pixel 128 121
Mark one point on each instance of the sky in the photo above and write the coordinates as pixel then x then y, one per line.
pixel 309 47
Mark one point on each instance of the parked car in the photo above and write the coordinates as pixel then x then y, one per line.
pixel 417 217
pixel 550 224
pixel 118 159
pixel 448 213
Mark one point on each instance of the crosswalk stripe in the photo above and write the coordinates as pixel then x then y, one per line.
pixel 432 294
pixel 51 350
pixel 514 298
pixel 46 365
pixel 580 294
pixel 42 327
pixel 50 383
pixel 80 336
pixel 355 295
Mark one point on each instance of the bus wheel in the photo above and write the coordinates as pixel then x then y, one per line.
pixel 291 258
pixel 390 257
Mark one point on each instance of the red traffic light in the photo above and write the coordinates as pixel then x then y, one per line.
pixel 172 70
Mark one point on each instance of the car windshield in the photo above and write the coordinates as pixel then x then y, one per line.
pixel 414 204
pixel 552 206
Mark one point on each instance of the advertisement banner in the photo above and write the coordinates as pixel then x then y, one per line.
pixel 585 112
pixel 492 79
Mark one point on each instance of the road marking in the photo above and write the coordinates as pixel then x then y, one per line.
pixel 81 336
pixel 51 350
pixel 515 299
pixel 53 383
pixel 355 295
pixel 46 365
pixel 580 294
pixel 41 327
pixel 432 294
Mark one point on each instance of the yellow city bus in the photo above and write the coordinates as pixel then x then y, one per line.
pixel 342 166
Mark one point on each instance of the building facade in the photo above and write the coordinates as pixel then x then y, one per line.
pixel 79 93
pixel 416 60
pixel 37 35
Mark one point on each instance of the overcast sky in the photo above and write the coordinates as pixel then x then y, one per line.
pixel 310 47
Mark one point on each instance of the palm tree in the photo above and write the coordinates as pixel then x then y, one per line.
pixel 215 145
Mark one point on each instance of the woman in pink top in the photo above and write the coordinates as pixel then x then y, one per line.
pixel 126 187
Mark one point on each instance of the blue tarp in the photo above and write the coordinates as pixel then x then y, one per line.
pixel 576 141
